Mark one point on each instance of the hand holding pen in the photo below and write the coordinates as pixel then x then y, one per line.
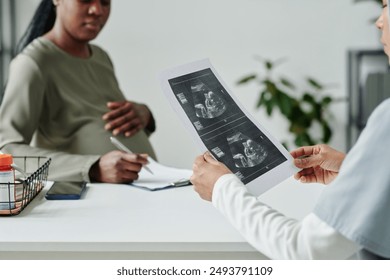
pixel 117 167
pixel 123 148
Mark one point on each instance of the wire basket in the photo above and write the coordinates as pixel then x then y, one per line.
pixel 29 181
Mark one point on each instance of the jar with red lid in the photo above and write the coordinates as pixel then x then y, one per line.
pixel 7 182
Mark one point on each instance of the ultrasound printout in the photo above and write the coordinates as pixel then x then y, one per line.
pixel 224 128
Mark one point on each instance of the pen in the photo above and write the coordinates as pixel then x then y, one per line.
pixel 123 148
pixel 181 183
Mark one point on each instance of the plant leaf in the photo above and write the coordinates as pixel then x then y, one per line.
pixel 285 103
pixel 261 100
pixel 314 84
pixel 300 118
pixel 326 101
pixel 307 97
pixel 269 103
pixel 317 111
pixel 299 142
pixel 268 65
pixel 326 132
pixel 270 86
pixel 287 83
pixel 247 79
pixel 303 139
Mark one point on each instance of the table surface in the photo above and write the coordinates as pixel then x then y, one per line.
pixel 133 223
pixel 113 217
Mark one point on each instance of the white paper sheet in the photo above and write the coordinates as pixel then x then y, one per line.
pixel 163 177
pixel 218 123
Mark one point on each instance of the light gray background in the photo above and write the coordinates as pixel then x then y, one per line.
pixel 146 36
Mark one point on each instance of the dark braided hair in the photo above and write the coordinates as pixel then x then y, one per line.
pixel 42 21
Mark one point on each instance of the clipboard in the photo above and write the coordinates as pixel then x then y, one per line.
pixel 163 177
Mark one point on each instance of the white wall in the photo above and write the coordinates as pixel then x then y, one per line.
pixel 146 36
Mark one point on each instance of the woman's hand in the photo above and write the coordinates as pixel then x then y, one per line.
pixel 126 117
pixel 117 167
pixel 319 163
pixel 206 172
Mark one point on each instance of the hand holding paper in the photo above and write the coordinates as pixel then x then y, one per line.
pixel 207 171
pixel 219 124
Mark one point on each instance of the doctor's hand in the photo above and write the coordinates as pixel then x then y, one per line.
pixel 319 163
pixel 126 117
pixel 206 172
pixel 117 167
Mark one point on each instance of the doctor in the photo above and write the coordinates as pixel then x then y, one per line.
pixel 350 219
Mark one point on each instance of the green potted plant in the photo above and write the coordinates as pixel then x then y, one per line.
pixel 303 109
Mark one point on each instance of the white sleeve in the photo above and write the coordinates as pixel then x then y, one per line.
pixel 272 233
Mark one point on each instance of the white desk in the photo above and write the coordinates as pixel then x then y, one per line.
pixel 122 222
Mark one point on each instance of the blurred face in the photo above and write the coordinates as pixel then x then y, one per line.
pixel 383 24
pixel 82 20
